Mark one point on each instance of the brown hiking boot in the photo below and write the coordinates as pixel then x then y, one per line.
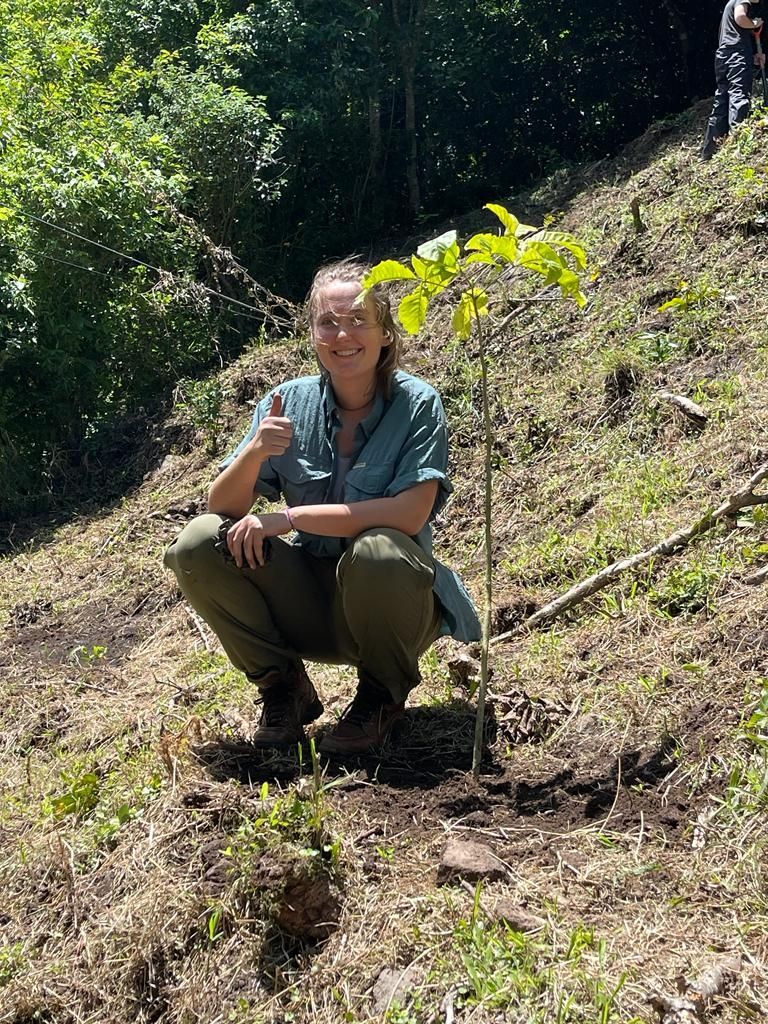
pixel 365 724
pixel 289 702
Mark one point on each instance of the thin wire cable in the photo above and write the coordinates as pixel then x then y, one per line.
pixel 56 259
pixel 90 270
pixel 133 259
pixel 143 263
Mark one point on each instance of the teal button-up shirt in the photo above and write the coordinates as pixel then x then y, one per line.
pixel 402 442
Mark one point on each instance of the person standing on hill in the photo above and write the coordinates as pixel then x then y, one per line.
pixel 735 62
pixel 359 453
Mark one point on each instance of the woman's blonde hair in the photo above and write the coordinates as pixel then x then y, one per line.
pixel 354 269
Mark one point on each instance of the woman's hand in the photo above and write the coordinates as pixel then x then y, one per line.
pixel 275 431
pixel 245 538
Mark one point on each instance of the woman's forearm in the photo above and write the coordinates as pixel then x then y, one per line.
pixel 232 492
pixel 407 512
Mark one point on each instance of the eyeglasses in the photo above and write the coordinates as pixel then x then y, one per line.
pixel 328 326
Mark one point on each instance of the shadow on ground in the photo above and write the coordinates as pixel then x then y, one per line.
pixel 429 745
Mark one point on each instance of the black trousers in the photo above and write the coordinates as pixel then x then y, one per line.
pixel 734 76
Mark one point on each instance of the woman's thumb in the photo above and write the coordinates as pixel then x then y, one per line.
pixel 277 405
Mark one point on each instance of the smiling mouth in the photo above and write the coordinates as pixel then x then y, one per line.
pixel 346 353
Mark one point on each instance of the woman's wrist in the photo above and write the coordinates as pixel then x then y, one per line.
pixel 287 512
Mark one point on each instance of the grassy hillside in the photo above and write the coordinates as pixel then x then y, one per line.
pixel 155 868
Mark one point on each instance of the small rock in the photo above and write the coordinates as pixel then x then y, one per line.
pixel 516 917
pixel 469 860
pixel 393 985
pixel 463 669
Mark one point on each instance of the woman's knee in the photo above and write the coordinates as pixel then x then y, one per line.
pixel 195 547
pixel 385 554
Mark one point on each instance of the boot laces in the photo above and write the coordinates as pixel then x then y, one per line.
pixel 277 702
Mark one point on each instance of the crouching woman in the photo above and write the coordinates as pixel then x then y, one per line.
pixel 359 454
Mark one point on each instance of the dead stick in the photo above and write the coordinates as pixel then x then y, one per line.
pixel 743 498
pixel 689 1005
pixel 198 624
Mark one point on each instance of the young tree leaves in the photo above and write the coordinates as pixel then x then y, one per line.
pixel 436 248
pixel 413 310
pixel 505 246
pixel 388 270
pixel 472 304
pixel 439 262
pixel 564 240
pixel 510 222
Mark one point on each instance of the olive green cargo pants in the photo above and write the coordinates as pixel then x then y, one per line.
pixel 373 608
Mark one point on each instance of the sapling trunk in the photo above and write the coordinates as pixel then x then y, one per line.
pixel 477 752
pixel 438 264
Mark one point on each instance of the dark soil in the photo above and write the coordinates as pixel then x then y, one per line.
pixel 422 784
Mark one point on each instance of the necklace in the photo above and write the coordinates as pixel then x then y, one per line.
pixel 357 408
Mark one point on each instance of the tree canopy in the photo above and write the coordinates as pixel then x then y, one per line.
pixel 176 133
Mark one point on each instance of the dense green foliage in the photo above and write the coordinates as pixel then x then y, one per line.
pixel 174 131
pixel 146 160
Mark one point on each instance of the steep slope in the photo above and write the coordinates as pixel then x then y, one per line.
pixel 156 869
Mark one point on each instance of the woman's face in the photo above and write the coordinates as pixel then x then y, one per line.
pixel 346 334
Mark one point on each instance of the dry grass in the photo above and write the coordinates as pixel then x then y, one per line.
pixel 139 829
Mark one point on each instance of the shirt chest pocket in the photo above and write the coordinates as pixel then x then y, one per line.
pixel 368 480
pixel 302 482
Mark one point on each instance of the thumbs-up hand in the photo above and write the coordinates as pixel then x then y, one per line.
pixel 275 430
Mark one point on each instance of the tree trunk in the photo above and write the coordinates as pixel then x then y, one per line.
pixel 680 26
pixel 372 182
pixel 407 44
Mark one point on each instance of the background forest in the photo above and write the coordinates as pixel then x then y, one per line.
pixel 209 145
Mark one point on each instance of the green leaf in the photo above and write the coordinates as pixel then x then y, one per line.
pixel 480 257
pixel 473 303
pixel 435 247
pixel 462 319
pixel 510 222
pixel 450 258
pixel 478 297
pixel 388 270
pixel 421 267
pixel 413 310
pixel 503 246
pixel 543 259
pixel 6 213
pixel 436 274
pixel 565 241
pixel 569 285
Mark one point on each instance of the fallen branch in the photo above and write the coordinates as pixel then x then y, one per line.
pixel 692 410
pixel 761 576
pixel 689 1005
pixel 199 625
pixel 743 498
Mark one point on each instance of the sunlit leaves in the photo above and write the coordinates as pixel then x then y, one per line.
pixel 413 310
pixel 388 270
pixel 510 222
pixel 504 246
pixel 436 248
pixel 434 265
pixel 439 263
pixel 472 304
pixel 543 259
pixel 563 240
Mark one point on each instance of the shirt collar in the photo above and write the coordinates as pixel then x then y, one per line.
pixel 371 421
